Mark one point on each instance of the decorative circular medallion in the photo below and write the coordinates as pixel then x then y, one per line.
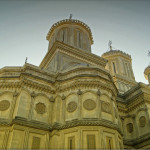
pixel 130 127
pixel 40 108
pixel 106 107
pixel 4 105
pixel 72 106
pixel 89 104
pixel 142 121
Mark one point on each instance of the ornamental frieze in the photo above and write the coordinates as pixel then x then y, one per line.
pixel 106 107
pixel 4 105
pixel 142 121
pixel 71 107
pixel 40 108
pixel 89 104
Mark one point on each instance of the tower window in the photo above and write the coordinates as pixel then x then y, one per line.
pixel 127 69
pixel 90 141
pixel 63 35
pixel 114 67
pixel 79 39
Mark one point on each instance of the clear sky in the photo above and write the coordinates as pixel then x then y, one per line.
pixel 24 25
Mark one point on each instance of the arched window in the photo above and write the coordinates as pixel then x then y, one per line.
pixel 79 39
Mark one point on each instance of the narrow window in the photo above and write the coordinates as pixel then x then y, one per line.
pixel 114 68
pixel 63 35
pixel 79 39
pixel 109 143
pixel 90 141
pixel 127 69
pixel 71 142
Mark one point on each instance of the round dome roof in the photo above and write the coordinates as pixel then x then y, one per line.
pixel 70 21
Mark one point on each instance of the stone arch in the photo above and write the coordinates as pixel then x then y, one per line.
pixel 42 94
pixel 142 121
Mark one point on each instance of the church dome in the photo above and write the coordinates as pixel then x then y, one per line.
pixel 72 32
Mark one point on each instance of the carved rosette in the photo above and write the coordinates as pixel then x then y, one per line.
pixel 4 105
pixel 71 107
pixel 142 121
pixel 40 108
pixel 89 104
pixel 130 127
pixel 106 107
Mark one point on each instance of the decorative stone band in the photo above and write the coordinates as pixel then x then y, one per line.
pixel 58 126
pixel 92 122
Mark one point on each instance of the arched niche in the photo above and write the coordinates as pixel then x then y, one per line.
pixel 89 104
pixel 129 128
pixel 23 104
pixel 142 121
pixel 71 107
pixel 106 107
pixel 5 104
pixel 41 108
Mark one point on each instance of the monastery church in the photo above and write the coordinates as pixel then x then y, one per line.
pixel 74 99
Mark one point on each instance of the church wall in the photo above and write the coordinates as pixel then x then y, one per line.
pixel 85 137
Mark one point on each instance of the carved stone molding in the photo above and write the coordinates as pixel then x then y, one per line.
pixel 79 92
pixel 130 127
pixel 40 108
pixel 142 121
pixel 98 92
pixel 33 95
pixel 89 104
pixel 71 107
pixel 106 107
pixel 116 114
pixel 52 99
pixel 63 97
pixel 4 105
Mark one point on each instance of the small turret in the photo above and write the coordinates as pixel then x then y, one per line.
pixel 147 73
pixel 120 67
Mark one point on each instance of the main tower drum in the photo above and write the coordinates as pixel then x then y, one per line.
pixel 72 32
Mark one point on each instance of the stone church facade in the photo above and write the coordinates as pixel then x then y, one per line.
pixel 74 99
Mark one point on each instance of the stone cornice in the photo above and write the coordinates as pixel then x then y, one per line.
pixel 137 142
pixel 59 126
pixel 74 52
pixel 91 122
pixel 125 79
pixel 70 21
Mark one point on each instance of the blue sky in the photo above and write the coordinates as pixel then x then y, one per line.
pixel 24 25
